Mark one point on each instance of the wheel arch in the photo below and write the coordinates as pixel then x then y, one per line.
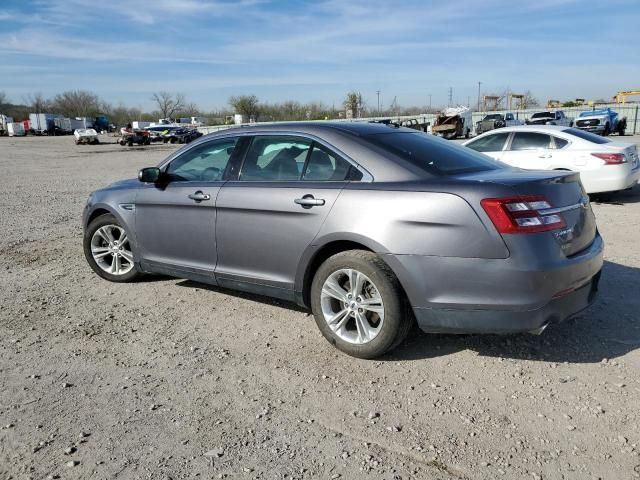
pixel 316 254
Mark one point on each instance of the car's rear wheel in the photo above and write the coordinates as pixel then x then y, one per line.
pixel 108 250
pixel 359 305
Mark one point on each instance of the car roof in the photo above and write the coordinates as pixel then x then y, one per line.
pixel 357 128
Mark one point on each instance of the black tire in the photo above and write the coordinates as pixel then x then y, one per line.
pixel 398 319
pixel 606 131
pixel 466 134
pixel 95 224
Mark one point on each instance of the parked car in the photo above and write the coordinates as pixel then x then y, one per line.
pixel 371 227
pixel 603 121
pixel 604 166
pixel 550 118
pixel 496 120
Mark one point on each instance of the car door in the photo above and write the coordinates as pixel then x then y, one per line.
pixel 175 218
pixel 529 150
pixel 271 213
pixel 491 144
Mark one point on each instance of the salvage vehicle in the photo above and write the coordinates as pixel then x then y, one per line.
pixel 86 136
pixel 453 122
pixel 496 120
pixel 368 226
pixel 129 136
pixel 603 122
pixel 604 166
pixel 16 129
pixel 4 124
pixel 550 118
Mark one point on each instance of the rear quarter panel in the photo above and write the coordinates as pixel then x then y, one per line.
pixel 411 223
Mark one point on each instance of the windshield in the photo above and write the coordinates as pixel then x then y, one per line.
pixel 542 114
pixel 433 155
pixel 590 137
pixel 493 117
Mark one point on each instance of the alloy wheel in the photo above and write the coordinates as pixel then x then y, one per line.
pixel 111 250
pixel 352 306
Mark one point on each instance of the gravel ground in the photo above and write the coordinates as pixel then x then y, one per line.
pixel 167 378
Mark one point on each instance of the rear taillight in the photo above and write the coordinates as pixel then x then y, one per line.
pixel 611 158
pixel 524 214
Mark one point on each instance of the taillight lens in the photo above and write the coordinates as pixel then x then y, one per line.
pixel 524 214
pixel 611 158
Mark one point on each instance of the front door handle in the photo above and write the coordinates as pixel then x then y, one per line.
pixel 199 196
pixel 308 201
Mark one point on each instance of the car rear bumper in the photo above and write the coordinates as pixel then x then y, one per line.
pixel 474 295
pixel 437 320
pixel 610 178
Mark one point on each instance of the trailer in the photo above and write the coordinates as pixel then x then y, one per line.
pixel 43 123
pixel 15 129
pixel 4 122
pixel 62 126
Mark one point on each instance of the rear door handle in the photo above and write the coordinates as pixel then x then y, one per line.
pixel 545 155
pixel 199 196
pixel 308 201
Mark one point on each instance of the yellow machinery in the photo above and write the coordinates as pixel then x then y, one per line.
pixel 520 101
pixel 553 103
pixel 491 103
pixel 621 97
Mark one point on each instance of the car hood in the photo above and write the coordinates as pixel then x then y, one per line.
pixel 599 116
pixel 128 183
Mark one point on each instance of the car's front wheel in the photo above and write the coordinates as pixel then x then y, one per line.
pixel 359 305
pixel 108 250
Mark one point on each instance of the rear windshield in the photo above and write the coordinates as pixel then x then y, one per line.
pixel 433 155
pixel 590 137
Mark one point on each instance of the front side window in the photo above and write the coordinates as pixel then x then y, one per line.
pixel 490 143
pixel 203 163
pixel 530 141
pixel 324 165
pixel 275 158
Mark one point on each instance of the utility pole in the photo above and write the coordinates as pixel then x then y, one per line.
pixel 450 96
pixel 479 83
pixel 378 93
pixel 429 102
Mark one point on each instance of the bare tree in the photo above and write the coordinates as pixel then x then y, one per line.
pixel 168 104
pixel 37 102
pixel 247 105
pixel 76 103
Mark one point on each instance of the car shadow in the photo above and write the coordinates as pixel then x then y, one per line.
pixel 608 329
pixel 631 195
pixel 245 296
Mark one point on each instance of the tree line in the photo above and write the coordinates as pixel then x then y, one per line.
pixel 83 103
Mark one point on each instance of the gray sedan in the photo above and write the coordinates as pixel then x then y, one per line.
pixel 374 228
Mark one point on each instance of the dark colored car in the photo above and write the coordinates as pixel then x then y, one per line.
pixel 372 227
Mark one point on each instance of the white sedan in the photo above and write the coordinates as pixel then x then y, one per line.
pixel 604 166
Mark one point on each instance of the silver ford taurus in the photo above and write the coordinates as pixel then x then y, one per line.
pixel 372 227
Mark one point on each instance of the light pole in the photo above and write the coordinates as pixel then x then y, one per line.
pixel 378 93
pixel 479 83
pixel 429 103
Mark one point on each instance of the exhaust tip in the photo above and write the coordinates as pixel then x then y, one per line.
pixel 540 329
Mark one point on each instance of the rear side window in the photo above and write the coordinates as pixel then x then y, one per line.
pixel 433 155
pixel 560 142
pixel 490 143
pixel 530 141
pixel 590 137
pixel 324 165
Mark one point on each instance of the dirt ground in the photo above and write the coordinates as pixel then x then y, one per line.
pixel 167 378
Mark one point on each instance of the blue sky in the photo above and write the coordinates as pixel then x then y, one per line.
pixel 318 50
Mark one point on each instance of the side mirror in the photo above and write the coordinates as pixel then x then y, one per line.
pixel 149 175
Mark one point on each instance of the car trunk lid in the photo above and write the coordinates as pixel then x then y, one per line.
pixel 554 200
